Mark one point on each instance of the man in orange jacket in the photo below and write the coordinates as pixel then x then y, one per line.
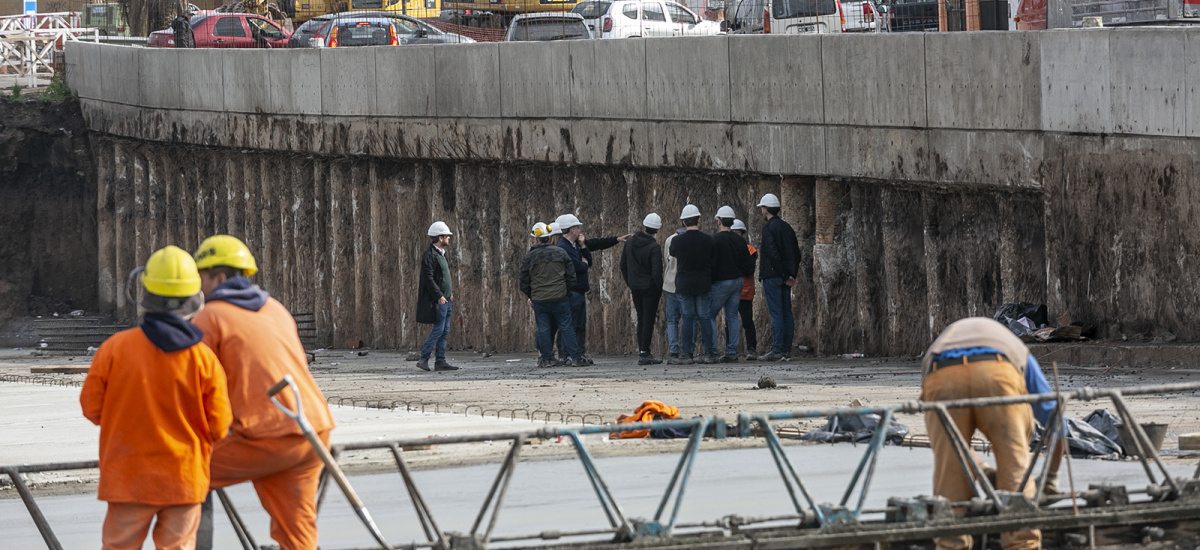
pixel 255 337
pixel 158 394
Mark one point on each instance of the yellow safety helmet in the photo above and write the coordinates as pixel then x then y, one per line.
pixel 226 250
pixel 171 272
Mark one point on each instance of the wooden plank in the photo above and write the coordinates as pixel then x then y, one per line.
pixel 59 369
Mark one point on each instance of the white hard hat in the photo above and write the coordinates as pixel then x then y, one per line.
pixel 567 221
pixel 555 229
pixel 690 211
pixel 739 225
pixel 540 230
pixel 652 221
pixel 438 229
pixel 725 212
pixel 769 200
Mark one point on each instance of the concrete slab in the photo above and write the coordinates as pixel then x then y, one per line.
pixel 899 154
pixel 121 79
pixel 295 81
pixel 247 79
pixel 1192 127
pixel 406 82
pixel 348 85
pixel 1003 93
pixel 779 148
pixel 608 79
pixel 611 142
pixel 696 145
pixel 202 85
pixel 468 79
pixel 409 138
pixel 470 138
pixel 1075 81
pixel 73 54
pixel 776 79
pixel 535 79
pixel 874 79
pixel 88 83
pixel 687 78
pixel 1006 159
pixel 161 88
pixel 1148 81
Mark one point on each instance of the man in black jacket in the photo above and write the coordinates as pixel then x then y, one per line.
pixel 779 259
pixel 641 267
pixel 731 262
pixel 580 250
pixel 693 286
pixel 434 295
pixel 547 275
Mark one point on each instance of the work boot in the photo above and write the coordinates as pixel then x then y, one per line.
pixel 587 361
pixel 729 358
pixel 771 357
pixel 423 364
pixel 1051 487
pixel 681 359
pixel 709 359
pixel 644 358
pixel 580 361
pixel 558 361
pixel 752 356
pixel 441 364
pixel 545 363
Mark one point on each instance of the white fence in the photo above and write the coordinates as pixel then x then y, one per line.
pixel 28 42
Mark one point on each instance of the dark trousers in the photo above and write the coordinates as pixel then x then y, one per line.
pixel 645 303
pixel 746 311
pixel 579 319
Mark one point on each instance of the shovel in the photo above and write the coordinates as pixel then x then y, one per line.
pixel 330 464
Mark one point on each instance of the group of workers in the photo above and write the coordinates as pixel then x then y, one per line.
pixel 701 275
pixel 182 405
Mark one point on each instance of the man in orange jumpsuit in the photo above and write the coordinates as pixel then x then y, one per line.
pixel 158 394
pixel 255 337
pixel 978 357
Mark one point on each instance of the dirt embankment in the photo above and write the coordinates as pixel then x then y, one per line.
pixel 48 219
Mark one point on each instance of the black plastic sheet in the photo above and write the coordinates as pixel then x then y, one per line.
pixel 858 428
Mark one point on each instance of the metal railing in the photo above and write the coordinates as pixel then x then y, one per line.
pixel 28 42
pixel 990 511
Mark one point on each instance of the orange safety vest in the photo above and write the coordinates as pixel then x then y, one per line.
pixel 257 348
pixel 646 412
pixel 159 414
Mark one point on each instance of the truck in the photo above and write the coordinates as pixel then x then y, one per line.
pixel 1068 14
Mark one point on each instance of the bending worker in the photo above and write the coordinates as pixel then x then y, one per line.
pixel 978 357
pixel 255 338
pixel 159 397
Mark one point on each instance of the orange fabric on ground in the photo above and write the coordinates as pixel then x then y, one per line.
pixel 1008 428
pixel 748 280
pixel 285 472
pixel 159 414
pixel 646 412
pixel 126 524
pixel 257 348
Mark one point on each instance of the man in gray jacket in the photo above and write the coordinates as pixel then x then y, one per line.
pixel 547 275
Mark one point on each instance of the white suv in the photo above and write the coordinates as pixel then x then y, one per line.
pixel 642 18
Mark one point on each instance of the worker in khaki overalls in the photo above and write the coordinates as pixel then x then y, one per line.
pixel 255 337
pixel 978 357
pixel 158 395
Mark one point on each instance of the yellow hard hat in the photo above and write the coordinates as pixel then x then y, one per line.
pixel 226 250
pixel 171 272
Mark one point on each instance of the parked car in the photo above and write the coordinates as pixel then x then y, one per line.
pixel 227 30
pixel 361 31
pixel 409 29
pixel 642 18
pixel 547 26
pixel 745 16
pixel 860 16
pixel 913 15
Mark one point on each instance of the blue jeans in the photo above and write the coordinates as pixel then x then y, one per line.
pixel 437 335
pixel 695 308
pixel 726 295
pixel 555 314
pixel 673 316
pixel 779 305
pixel 578 304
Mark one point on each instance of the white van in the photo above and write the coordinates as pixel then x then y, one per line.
pixel 643 18
pixel 802 16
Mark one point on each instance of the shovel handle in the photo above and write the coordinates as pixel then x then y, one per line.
pixel 278 387
pixel 298 414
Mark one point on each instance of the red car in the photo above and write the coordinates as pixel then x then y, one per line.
pixel 227 30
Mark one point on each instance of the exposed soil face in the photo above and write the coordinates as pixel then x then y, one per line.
pixel 48 189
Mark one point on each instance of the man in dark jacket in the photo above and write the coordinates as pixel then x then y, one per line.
pixel 434 296
pixel 182 30
pixel 693 286
pixel 779 259
pixel 731 262
pixel 580 250
pixel 641 267
pixel 547 275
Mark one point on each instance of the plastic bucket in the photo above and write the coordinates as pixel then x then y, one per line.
pixel 1155 431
